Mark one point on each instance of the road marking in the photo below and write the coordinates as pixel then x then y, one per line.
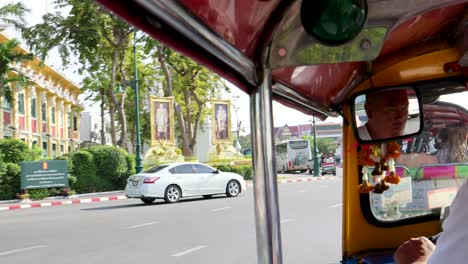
pixel 21 249
pixel 188 251
pixel 286 220
pixel 336 205
pixel 302 191
pixel 146 224
pixel 219 209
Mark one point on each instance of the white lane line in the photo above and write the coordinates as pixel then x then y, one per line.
pixel 219 209
pixel 286 220
pixel 188 251
pixel 20 250
pixel 302 191
pixel 146 224
pixel 335 205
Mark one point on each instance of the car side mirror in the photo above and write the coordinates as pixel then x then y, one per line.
pixel 387 114
pixel 216 171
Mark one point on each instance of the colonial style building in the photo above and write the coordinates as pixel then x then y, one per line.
pixel 45 111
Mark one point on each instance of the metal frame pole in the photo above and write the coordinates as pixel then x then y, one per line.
pixel 138 158
pixel 267 214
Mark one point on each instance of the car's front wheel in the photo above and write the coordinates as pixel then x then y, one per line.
pixel 233 188
pixel 172 194
pixel 147 200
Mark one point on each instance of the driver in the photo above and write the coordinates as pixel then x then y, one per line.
pixel 451 245
pixel 387 112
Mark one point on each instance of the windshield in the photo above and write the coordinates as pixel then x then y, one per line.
pixel 298 144
pixel 433 165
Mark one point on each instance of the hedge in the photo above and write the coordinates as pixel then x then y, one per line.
pixel 244 170
pixel 84 169
pixel 111 166
pixel 9 180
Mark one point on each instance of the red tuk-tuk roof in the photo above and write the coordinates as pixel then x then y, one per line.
pixel 229 37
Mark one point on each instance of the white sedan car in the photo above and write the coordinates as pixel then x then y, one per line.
pixel 174 181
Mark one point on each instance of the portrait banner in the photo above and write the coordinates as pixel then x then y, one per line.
pixel 221 121
pixel 162 120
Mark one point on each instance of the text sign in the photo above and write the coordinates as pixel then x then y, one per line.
pixel 44 174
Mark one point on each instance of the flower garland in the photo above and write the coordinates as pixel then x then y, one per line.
pixel 393 153
pixel 372 155
pixel 365 160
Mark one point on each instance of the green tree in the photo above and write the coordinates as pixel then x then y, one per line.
pixel 9 55
pixel 99 39
pixel 13 14
pixel 192 86
pixel 324 145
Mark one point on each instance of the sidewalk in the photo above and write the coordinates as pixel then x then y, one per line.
pixel 119 195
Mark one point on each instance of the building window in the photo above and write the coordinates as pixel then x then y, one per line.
pixel 60 118
pixel 54 150
pixel 5 104
pixel 33 108
pixel 53 114
pixel 69 119
pixel 62 150
pixel 74 124
pixel 44 149
pixel 44 112
pixel 21 103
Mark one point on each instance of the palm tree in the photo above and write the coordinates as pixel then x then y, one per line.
pixel 13 14
pixel 9 54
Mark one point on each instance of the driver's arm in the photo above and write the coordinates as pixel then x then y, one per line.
pixel 451 245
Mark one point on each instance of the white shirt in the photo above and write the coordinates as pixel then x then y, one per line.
pixel 452 245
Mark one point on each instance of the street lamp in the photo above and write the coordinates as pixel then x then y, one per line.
pixel 134 84
pixel 316 163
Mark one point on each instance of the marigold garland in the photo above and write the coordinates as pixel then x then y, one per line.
pixel 371 155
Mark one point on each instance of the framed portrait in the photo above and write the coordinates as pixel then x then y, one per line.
pixel 221 121
pixel 162 119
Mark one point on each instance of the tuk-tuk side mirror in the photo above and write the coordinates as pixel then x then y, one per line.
pixel 387 114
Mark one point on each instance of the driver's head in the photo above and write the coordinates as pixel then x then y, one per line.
pixel 387 112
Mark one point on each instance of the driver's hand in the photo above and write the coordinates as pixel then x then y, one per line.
pixel 416 250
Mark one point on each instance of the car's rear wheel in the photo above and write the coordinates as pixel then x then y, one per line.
pixel 207 196
pixel 172 194
pixel 233 188
pixel 147 200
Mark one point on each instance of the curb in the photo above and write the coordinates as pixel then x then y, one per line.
pixel 57 203
pixel 122 197
pixel 300 180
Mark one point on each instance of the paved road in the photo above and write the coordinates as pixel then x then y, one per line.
pixel 218 230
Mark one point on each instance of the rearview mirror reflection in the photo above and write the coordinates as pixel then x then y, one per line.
pixel 386 114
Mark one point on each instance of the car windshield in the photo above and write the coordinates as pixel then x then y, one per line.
pixel 298 144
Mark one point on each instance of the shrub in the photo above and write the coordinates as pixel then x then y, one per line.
pixel 244 170
pixel 111 164
pixel 14 150
pixel 9 180
pixel 35 153
pixel 131 163
pixel 38 194
pixel 84 169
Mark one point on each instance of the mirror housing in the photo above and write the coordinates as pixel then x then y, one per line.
pixel 386 114
pixel 216 171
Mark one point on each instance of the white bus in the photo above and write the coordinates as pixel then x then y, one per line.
pixel 292 155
